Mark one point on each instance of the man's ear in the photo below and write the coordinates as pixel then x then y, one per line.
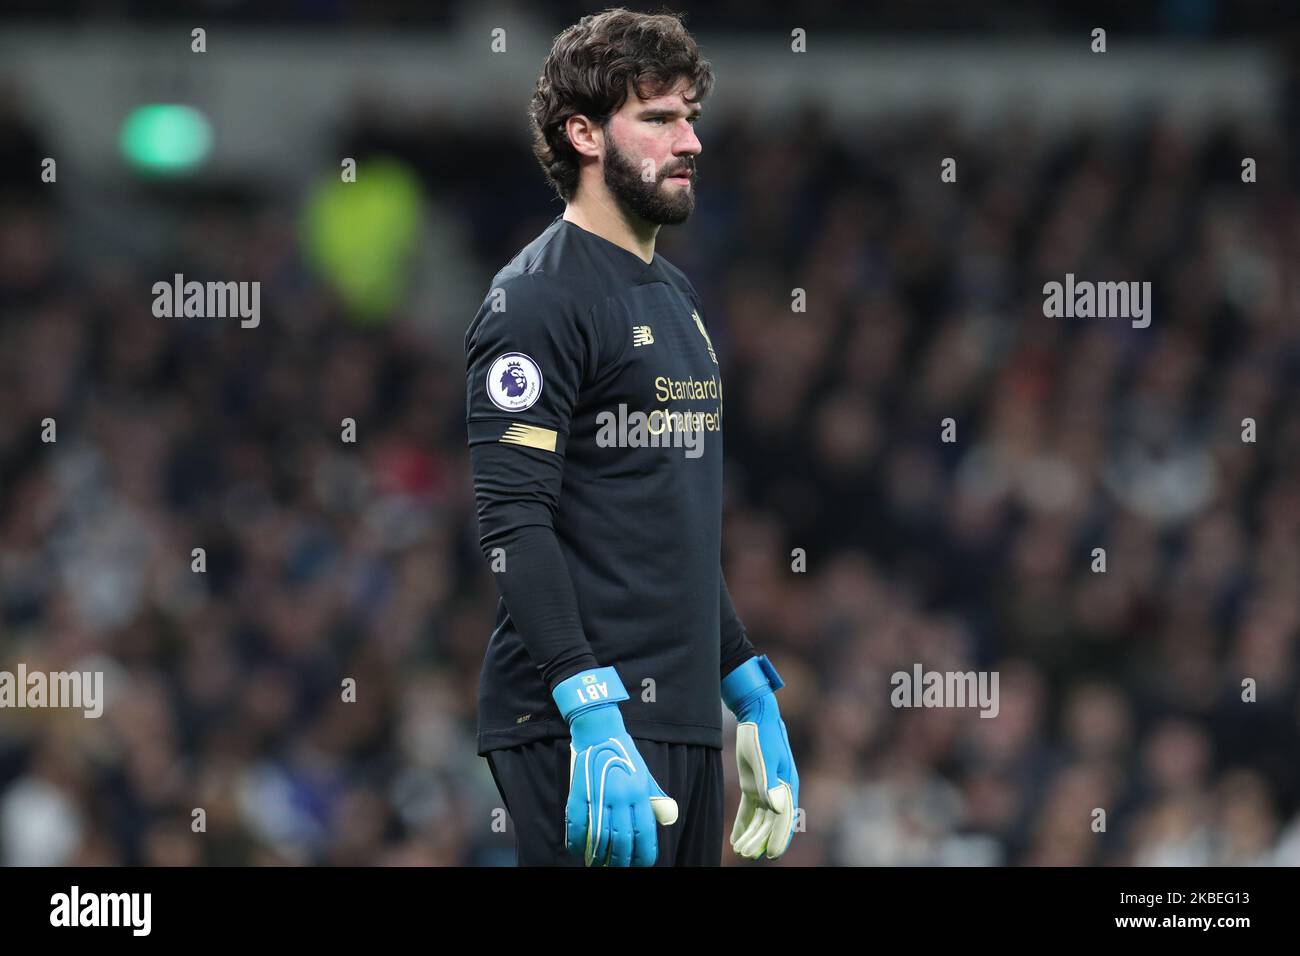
pixel 585 135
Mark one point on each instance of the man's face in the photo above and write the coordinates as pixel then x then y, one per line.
pixel 650 150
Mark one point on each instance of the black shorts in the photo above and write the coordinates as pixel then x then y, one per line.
pixel 533 780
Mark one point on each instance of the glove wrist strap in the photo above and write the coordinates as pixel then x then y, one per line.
pixel 751 679
pixel 588 690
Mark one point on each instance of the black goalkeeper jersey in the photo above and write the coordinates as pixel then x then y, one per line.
pixel 594 414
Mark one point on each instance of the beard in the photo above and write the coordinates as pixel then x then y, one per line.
pixel 653 201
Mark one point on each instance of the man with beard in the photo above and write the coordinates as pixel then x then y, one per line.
pixel 615 636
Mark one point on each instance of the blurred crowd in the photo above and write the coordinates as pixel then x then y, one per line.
pixel 1168 17
pixel 327 561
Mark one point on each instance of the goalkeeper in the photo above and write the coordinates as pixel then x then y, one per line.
pixel 615 637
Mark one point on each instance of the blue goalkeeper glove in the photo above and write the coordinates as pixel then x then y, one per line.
pixel 613 800
pixel 769 783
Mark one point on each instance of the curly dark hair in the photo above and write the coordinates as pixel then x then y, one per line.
pixel 587 73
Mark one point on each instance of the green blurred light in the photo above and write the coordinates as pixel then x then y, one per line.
pixel 361 236
pixel 165 138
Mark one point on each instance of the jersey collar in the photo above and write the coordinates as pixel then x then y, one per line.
pixel 629 265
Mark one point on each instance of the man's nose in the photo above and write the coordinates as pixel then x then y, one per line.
pixel 688 144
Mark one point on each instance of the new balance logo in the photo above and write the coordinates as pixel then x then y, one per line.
pixel 641 335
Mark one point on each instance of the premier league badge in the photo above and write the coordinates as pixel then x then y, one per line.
pixel 514 382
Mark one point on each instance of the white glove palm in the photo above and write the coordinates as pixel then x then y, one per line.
pixel 769 782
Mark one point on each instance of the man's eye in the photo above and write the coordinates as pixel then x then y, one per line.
pixel 656 119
